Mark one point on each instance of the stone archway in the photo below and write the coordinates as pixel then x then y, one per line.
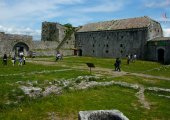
pixel 20 47
pixel 161 54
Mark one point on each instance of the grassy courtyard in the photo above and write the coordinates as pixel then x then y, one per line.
pixel 42 72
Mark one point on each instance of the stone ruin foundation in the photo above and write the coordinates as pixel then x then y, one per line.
pixel 102 115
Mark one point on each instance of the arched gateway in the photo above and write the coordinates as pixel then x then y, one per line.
pixel 20 47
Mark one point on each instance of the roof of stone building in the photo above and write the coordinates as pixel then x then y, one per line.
pixel 161 39
pixel 139 22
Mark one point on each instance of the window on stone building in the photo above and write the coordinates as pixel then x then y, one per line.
pixel 121 37
pixel 99 45
pixel 121 51
pixel 121 45
pixel 107 37
pixel 93 51
pixel 107 51
pixel 93 45
pixel 107 45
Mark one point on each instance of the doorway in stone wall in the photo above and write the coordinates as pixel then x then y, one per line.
pixel 20 47
pixel 161 54
pixel 80 52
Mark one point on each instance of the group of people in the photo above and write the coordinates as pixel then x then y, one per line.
pixel 21 60
pixel 117 64
pixel 59 56
pixel 131 58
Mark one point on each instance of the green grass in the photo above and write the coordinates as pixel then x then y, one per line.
pixel 147 82
pixel 69 103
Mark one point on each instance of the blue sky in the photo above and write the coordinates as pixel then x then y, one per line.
pixel 26 16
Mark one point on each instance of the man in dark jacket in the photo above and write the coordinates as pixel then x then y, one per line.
pixel 118 62
pixel 5 59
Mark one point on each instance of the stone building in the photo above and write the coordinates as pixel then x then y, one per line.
pixel 14 44
pixel 52 31
pixel 53 40
pixel 158 49
pixel 117 38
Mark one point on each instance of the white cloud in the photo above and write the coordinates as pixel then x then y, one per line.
pixel 157 3
pixel 166 32
pixel 22 31
pixel 36 8
pixel 17 15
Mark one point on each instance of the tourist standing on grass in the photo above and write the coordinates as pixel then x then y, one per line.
pixel 134 57
pixel 58 56
pixel 115 66
pixel 13 60
pixel 20 61
pixel 5 59
pixel 128 59
pixel 24 59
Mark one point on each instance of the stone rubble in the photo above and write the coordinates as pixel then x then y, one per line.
pixel 156 89
pixel 79 83
pixel 31 91
pixel 141 97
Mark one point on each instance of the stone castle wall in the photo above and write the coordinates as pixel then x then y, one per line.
pixel 45 48
pixel 52 32
pixel 53 35
pixel 116 43
pixel 153 47
pixel 154 30
pixel 9 41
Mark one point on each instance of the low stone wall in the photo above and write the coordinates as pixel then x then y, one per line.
pixel 102 115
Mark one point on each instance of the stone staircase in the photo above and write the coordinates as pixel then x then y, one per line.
pixel 67 36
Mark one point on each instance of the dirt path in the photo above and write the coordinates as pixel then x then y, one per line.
pixel 110 72
pixel 98 70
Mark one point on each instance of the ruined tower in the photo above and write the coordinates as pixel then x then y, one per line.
pixel 52 31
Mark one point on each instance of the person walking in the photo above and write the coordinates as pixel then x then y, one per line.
pixel 5 59
pixel 117 64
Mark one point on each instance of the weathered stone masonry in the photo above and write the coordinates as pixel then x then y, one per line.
pixel 11 44
pixel 113 43
pixel 117 38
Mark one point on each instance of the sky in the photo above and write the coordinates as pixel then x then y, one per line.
pixel 26 16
